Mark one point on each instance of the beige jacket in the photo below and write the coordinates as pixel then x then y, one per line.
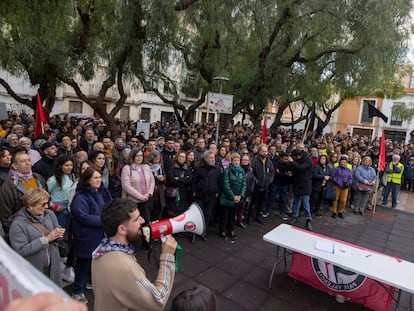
pixel 119 283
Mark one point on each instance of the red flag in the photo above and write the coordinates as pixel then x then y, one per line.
pixel 339 281
pixel 41 119
pixel 381 162
pixel 263 136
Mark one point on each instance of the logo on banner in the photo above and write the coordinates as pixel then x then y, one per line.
pixel 335 277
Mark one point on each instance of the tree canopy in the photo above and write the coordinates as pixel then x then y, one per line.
pixel 290 50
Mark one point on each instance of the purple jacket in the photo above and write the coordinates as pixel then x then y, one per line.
pixel 342 177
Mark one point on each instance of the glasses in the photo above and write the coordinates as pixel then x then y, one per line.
pixel 134 141
pixel 245 153
pixel 45 204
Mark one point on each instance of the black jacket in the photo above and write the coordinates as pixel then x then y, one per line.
pixel 302 176
pixel 180 176
pixel 44 167
pixel 4 173
pixel 206 182
pixel 281 177
pixel 318 174
pixel 263 172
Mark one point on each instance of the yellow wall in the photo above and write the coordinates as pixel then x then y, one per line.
pixel 348 115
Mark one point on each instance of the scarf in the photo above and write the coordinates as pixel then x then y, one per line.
pixel 108 245
pixel 16 176
pixel 236 170
pixel 155 168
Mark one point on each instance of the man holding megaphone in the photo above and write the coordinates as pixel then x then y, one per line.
pixel 118 281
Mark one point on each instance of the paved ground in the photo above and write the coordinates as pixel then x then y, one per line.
pixel 239 272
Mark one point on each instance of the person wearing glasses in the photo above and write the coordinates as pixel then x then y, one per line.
pixel 34 231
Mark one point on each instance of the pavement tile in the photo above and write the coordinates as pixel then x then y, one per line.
pixel 246 295
pixel 216 279
pixel 238 273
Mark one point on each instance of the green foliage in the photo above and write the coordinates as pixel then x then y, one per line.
pixel 405 112
pixel 286 49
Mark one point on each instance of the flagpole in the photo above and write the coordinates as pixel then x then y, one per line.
pixel 375 194
pixel 305 134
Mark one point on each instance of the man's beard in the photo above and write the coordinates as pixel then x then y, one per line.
pixel 133 236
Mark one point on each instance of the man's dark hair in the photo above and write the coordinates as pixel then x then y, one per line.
pixel 17 150
pixel 115 213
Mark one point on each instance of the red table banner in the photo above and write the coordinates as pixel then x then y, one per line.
pixel 338 281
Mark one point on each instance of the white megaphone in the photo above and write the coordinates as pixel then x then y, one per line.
pixel 192 221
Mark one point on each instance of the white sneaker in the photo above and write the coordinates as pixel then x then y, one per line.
pixel 68 275
pixel 80 297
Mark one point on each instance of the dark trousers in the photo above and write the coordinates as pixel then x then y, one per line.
pixel 207 208
pixel 316 201
pixel 240 210
pixel 227 215
pixel 145 209
pixel 258 201
pixel 82 271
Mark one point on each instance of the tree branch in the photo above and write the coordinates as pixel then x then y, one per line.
pixel 16 97
pixel 184 4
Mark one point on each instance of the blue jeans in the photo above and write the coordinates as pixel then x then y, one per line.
pixel 82 272
pixel 283 195
pixel 395 189
pixel 304 199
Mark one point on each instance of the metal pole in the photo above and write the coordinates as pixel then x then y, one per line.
pixel 221 79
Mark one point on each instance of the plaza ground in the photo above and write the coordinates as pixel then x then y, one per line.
pixel 239 273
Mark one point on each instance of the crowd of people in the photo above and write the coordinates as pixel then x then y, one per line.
pixel 54 187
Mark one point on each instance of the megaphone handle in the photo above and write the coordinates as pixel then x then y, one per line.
pixel 178 252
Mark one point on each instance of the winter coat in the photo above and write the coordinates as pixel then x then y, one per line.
pixel 86 208
pixel 206 182
pixel 302 176
pixel 363 174
pixel 250 181
pixel 409 171
pixel 180 176
pixel 11 196
pixel 318 176
pixel 281 176
pixel 263 172
pixel 131 187
pixel 29 242
pixel 342 177
pixel 232 185
pixel 4 173
pixel 44 167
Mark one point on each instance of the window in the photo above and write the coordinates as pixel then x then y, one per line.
pixel 75 106
pixel 167 87
pixel 124 113
pixel 396 120
pixel 152 82
pixel 364 115
pixel 167 116
pixel 146 114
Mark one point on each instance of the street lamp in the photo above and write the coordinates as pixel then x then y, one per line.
pixel 221 79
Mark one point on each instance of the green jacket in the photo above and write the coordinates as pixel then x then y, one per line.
pixel 232 185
